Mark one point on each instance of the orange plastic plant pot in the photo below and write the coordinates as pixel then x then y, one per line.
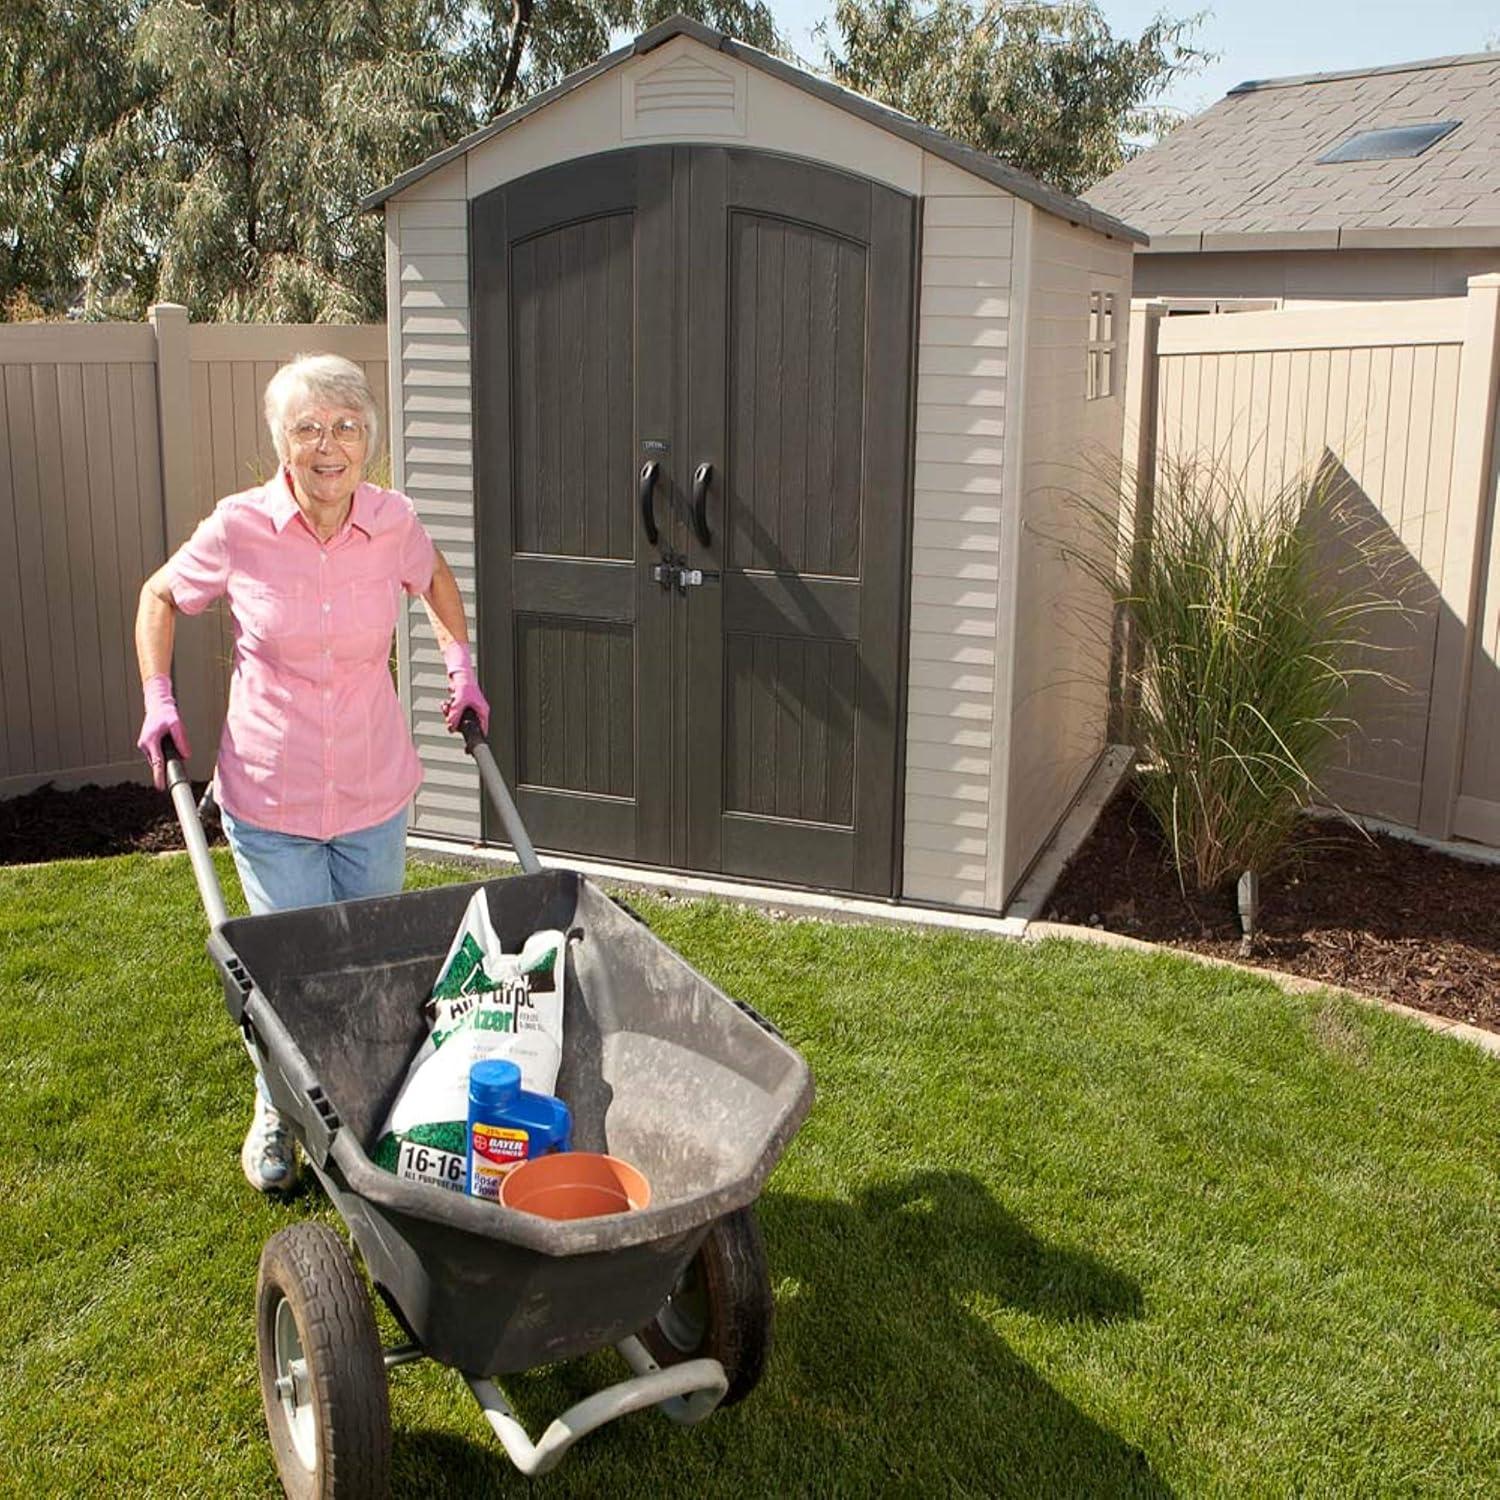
pixel 575 1185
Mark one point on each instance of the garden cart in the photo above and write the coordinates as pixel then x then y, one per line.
pixel 658 1067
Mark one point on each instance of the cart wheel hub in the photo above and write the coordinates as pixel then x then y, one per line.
pixel 683 1319
pixel 291 1386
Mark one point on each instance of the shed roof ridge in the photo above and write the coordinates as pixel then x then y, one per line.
pixel 967 158
pixel 1421 65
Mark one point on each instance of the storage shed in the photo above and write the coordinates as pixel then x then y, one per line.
pixel 738 403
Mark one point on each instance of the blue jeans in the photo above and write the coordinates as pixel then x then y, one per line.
pixel 280 871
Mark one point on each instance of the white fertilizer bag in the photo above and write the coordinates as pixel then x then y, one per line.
pixel 486 1003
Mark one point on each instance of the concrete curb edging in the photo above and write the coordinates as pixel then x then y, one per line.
pixel 1291 984
pixel 820 906
pixel 788 899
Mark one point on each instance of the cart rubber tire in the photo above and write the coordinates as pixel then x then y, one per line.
pixel 311 1303
pixel 721 1308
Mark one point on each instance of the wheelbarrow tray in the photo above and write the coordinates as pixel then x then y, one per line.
pixel 659 1067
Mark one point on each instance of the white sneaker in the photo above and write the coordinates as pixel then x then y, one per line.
pixel 269 1155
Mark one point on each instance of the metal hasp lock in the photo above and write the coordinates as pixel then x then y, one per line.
pixel 672 572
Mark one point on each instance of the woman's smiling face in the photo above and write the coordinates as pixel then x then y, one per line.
pixel 326 452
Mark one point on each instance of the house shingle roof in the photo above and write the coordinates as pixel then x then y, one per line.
pixel 1244 174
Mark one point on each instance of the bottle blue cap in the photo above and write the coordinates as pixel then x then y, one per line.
pixel 494 1083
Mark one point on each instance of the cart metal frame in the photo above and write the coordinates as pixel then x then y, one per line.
pixel 685 1392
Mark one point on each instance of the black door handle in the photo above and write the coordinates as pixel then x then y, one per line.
pixel 649 470
pixel 701 481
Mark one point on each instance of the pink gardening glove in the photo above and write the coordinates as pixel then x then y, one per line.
pixel 161 719
pixel 463 687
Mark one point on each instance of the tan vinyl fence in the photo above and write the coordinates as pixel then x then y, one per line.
pixel 115 440
pixel 1395 403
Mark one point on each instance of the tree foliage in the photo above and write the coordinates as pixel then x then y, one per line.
pixel 214 152
pixel 1046 86
pixel 65 80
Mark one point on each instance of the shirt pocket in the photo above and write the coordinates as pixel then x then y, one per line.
pixel 280 621
pixel 367 616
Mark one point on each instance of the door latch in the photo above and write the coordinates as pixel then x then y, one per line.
pixel 673 572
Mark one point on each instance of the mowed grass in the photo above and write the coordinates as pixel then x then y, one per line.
pixel 1062 1222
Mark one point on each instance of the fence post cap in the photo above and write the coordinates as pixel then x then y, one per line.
pixel 1485 281
pixel 167 309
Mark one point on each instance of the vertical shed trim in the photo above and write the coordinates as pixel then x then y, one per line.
pixel 997 877
pixel 1058 698
pixel 396 437
pixel 432 461
pixel 965 342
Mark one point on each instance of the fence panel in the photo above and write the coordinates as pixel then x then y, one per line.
pixel 1374 400
pixel 81 507
pixel 115 439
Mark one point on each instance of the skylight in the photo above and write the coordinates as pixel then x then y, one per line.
pixel 1389 144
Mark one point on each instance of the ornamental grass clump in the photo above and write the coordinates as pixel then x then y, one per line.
pixel 1248 622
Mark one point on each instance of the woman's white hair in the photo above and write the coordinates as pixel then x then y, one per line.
pixel 326 379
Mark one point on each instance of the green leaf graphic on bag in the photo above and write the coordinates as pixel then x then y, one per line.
pixel 485 1003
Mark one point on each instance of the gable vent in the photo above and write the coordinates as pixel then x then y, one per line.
pixel 686 95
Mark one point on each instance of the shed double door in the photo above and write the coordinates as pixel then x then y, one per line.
pixel 692 385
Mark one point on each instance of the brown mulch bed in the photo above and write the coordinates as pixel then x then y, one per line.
pixel 95 820
pixel 1376 914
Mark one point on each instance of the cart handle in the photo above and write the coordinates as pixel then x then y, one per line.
pixel 494 784
pixel 186 808
pixel 206 878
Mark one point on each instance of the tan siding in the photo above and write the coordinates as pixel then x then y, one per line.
pixel 962 374
pixel 1311 278
pixel 1058 692
pixel 434 463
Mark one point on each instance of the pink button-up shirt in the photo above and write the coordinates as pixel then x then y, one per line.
pixel 315 742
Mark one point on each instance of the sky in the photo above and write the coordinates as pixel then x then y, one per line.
pixel 1267 38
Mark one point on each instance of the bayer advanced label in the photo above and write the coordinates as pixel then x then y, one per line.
pixel 494 1151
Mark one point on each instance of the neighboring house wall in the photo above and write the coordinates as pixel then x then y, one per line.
pixel 953 850
pixel 115 441
pixel 1312 276
pixel 1057 717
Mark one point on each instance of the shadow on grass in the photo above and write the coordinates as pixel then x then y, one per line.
pixel 887 1373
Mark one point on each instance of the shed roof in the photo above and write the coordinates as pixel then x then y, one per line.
pixel 990 168
pixel 1245 174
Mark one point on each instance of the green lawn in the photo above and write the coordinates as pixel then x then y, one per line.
pixel 1062 1222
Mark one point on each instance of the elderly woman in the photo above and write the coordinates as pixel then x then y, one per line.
pixel 316 768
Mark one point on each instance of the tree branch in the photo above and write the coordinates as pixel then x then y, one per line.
pixel 520 25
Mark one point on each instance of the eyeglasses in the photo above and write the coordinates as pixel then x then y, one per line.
pixel 346 432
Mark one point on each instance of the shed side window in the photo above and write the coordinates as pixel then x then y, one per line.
pixel 1100 374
